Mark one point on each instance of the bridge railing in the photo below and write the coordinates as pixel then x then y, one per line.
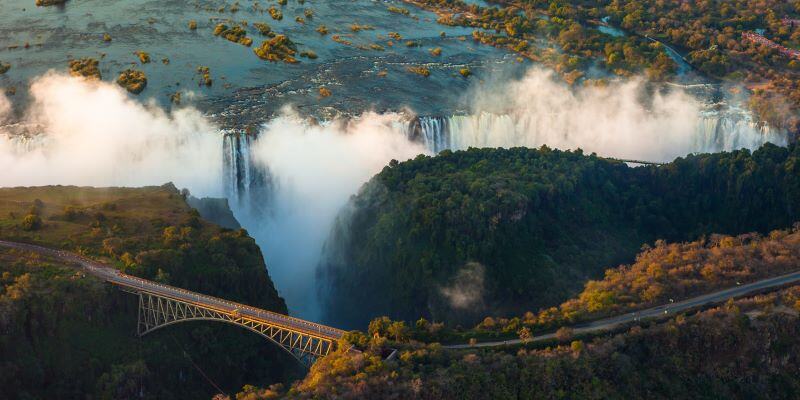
pixel 642 162
pixel 264 314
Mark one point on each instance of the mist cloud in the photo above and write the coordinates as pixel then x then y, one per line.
pixel 91 133
pixel 315 169
pixel 620 120
pixel 466 289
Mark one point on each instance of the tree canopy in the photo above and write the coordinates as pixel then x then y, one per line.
pixel 525 228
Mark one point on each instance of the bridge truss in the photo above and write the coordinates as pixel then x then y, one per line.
pixel 157 311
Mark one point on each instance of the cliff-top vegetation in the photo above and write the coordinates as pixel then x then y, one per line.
pixel 65 334
pixel 485 231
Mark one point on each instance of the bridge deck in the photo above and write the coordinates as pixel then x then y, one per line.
pixel 142 285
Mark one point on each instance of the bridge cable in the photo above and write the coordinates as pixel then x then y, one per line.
pixel 197 367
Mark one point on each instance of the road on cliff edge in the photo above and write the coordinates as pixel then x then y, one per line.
pixel 655 312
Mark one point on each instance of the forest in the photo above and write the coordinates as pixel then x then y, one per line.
pixel 503 231
pixel 662 274
pixel 64 334
pixel 741 350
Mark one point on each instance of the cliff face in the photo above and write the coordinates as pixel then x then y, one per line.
pixel 66 335
pixel 215 210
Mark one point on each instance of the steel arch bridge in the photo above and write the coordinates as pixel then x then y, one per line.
pixel 157 311
pixel 163 305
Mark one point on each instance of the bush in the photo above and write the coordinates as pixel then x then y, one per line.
pixel 31 222
pixel 85 67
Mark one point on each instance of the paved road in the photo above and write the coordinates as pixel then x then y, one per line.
pixel 113 276
pixel 660 311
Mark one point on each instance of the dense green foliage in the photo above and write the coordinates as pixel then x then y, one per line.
pixel 665 272
pixel 744 350
pixel 525 228
pixel 66 335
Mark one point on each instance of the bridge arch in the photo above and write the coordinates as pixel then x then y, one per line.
pixel 156 312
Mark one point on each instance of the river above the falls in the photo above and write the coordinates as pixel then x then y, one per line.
pixel 364 70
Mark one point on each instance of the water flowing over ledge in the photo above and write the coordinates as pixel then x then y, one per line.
pixel 248 183
pixel 713 132
pixel 287 183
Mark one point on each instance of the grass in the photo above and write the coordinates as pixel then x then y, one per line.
pixel 134 212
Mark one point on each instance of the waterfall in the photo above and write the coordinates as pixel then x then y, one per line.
pixel 248 185
pixel 713 132
pixel 731 131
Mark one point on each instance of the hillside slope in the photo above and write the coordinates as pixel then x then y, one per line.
pixel 743 350
pixel 65 334
pixel 493 231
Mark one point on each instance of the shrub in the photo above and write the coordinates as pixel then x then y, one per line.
pixel 31 222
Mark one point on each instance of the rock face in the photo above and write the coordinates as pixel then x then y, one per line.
pixel 215 210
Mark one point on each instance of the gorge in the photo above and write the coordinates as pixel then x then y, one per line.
pixel 287 183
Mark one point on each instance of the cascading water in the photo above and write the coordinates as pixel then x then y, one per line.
pixel 714 132
pixel 730 131
pixel 250 186
pixel 247 183
pixel 433 132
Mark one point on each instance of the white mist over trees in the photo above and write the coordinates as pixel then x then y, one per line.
pixel 92 133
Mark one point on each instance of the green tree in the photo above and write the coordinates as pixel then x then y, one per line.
pixel 379 326
pixel 398 331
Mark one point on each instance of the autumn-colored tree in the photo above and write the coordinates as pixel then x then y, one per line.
pixel 31 222
pixel 564 334
pixel 398 331
pixel 525 334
